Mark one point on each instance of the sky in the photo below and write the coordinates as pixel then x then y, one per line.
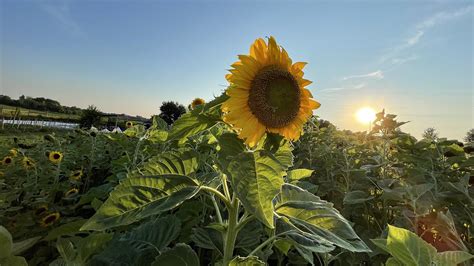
pixel 413 58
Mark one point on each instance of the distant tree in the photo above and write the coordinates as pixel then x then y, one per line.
pixel 430 134
pixel 90 117
pixel 469 136
pixel 171 111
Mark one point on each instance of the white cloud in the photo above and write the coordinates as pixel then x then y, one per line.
pixel 403 60
pixel 60 11
pixel 421 29
pixel 415 39
pixel 376 74
pixel 443 17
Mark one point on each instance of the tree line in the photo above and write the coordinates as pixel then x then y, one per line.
pixel 40 104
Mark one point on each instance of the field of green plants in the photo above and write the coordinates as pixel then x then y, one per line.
pixel 249 178
pixel 194 194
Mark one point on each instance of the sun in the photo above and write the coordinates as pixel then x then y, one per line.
pixel 365 115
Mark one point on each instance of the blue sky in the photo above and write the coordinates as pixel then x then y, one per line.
pixel 413 58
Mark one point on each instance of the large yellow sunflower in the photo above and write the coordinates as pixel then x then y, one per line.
pixel 196 102
pixel 267 94
pixel 55 156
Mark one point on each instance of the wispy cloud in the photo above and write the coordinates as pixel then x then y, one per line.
pixel 443 17
pixel 338 89
pixel 60 11
pixel 420 30
pixel 376 75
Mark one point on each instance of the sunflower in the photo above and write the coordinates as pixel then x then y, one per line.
pixel 7 160
pixel 267 94
pixel 76 175
pixel 14 152
pixel 55 156
pixel 71 193
pixel 28 163
pixel 41 209
pixel 49 219
pixel 196 102
pixel 129 124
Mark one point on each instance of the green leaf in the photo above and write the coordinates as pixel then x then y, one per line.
pixel 5 242
pixel 316 220
pixel 257 178
pixel 246 261
pixel 449 258
pixel 181 254
pixel 158 233
pixel 298 174
pixel 14 261
pixel 157 135
pixel 393 262
pixel 140 197
pixel 208 238
pixel 182 162
pixel 408 248
pixel 19 247
pixel 381 243
pixel 356 197
pixel 91 245
pixel 68 229
pixel 66 249
pixel 190 124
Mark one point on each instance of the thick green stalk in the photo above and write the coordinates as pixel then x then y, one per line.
pixel 231 232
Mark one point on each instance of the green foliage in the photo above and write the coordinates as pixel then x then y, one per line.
pixel 409 249
pixel 90 117
pixel 192 193
pixel 171 111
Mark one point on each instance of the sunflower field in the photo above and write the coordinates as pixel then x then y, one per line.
pixel 248 178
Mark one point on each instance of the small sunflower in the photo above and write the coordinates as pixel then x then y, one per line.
pixel 71 193
pixel 7 160
pixel 28 163
pixel 41 209
pixel 49 219
pixel 76 175
pixel 267 94
pixel 129 124
pixel 196 102
pixel 14 152
pixel 55 156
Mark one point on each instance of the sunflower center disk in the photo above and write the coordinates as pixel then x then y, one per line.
pixel 274 97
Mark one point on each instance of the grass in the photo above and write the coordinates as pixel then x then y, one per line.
pixel 8 112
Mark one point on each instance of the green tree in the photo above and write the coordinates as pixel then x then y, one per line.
pixel 469 136
pixel 90 117
pixel 430 134
pixel 171 111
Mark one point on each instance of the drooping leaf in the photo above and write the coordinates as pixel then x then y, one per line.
pixel 381 243
pixel 256 179
pixel 190 124
pixel 448 258
pixel 181 254
pixel 13 260
pixel 181 162
pixel 297 174
pixel 158 233
pixel 19 247
pixel 5 242
pixel 208 238
pixel 316 220
pixel 65 230
pixel 408 248
pixel 91 245
pixel 356 197
pixel 140 197
pixel 246 261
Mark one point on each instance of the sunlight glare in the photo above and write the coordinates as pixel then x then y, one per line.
pixel 365 115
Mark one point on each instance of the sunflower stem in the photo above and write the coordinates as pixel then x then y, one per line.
pixel 232 230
